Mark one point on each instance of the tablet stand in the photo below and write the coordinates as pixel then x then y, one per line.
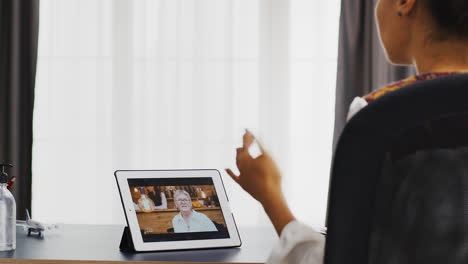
pixel 126 243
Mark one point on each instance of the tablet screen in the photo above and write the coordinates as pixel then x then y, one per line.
pixel 174 209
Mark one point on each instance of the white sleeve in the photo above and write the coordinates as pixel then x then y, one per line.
pixel 357 104
pixel 298 244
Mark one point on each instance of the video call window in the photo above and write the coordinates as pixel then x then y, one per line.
pixel 177 209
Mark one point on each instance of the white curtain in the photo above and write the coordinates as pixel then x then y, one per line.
pixel 162 84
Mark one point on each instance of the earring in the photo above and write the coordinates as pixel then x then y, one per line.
pixel 400 14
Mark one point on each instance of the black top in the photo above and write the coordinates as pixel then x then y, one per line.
pixel 372 138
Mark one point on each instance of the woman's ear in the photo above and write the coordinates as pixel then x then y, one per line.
pixel 405 7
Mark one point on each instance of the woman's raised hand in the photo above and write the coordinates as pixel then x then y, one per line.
pixel 259 176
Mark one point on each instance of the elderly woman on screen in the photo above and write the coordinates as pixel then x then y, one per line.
pixel 188 220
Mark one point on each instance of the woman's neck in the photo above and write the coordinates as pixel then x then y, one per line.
pixel 441 56
pixel 186 214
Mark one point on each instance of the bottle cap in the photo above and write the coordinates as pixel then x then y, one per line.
pixel 3 174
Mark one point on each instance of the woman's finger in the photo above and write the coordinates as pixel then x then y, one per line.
pixel 254 146
pixel 247 139
pixel 238 154
pixel 233 176
pixel 242 154
pixel 260 146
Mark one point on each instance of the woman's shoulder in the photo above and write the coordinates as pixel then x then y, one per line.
pixel 360 102
pixel 405 82
pixel 198 214
pixel 390 88
pixel 175 217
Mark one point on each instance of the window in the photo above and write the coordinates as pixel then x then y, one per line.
pixel 153 84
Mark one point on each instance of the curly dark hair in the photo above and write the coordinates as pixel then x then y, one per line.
pixel 450 15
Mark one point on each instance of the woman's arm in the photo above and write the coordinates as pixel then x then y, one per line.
pixel 278 212
pixel 209 226
pixel 261 178
pixel 175 225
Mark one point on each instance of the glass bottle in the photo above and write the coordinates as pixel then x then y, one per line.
pixel 7 214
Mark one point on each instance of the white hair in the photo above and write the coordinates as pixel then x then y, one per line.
pixel 181 192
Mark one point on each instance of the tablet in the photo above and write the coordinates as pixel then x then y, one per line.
pixel 177 209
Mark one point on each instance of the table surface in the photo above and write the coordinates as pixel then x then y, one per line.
pixel 77 243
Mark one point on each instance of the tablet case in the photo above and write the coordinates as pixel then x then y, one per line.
pixel 126 243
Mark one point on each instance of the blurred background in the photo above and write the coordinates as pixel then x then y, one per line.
pixel 165 84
